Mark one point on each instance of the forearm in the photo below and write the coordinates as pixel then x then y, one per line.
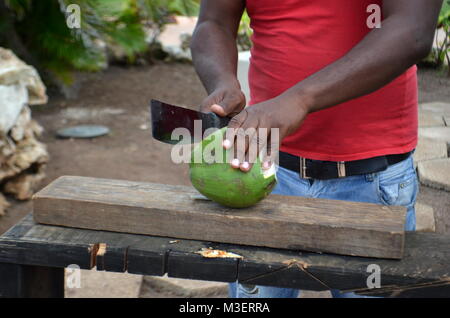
pixel 379 58
pixel 214 53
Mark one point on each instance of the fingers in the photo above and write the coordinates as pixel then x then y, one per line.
pixel 269 155
pixel 247 139
pixel 257 144
pixel 230 138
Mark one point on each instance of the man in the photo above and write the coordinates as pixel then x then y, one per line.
pixel 341 90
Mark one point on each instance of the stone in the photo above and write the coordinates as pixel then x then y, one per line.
pixel 13 71
pixel 99 284
pixel 430 119
pixel 21 149
pixel 13 98
pixel 435 173
pixel 428 149
pixel 440 108
pixel 175 35
pixel 437 133
pixel 425 221
pixel 83 131
pixel 23 185
pixel 182 287
pixel 21 127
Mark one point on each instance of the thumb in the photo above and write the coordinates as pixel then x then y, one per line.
pixel 219 110
pixel 229 106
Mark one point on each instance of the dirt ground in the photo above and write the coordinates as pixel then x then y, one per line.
pixel 119 98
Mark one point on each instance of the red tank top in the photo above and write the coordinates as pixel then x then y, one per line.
pixel 295 38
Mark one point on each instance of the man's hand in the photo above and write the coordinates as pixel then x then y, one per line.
pixel 245 136
pixel 225 101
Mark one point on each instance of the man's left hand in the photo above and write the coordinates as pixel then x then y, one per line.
pixel 244 133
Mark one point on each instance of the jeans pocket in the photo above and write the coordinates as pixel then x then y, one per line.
pixel 398 192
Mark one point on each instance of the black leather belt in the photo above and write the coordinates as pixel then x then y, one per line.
pixel 317 169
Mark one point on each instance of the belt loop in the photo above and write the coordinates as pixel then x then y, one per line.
pixel 341 169
pixel 303 168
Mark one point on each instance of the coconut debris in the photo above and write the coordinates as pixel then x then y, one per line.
pixel 212 253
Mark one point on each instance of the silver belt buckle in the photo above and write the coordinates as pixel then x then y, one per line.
pixel 341 169
pixel 303 168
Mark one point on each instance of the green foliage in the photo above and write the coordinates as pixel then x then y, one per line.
pixel 42 30
pixel 444 16
pixel 244 33
pixel 441 52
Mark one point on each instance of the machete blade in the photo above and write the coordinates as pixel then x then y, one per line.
pixel 165 118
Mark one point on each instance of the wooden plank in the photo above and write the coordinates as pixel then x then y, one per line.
pixel 287 222
pixel 424 270
pixel 184 262
pixel 31 281
pixel 71 246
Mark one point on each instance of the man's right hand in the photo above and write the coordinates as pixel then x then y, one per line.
pixel 226 101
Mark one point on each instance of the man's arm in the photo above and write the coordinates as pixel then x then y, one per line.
pixel 214 53
pixel 405 37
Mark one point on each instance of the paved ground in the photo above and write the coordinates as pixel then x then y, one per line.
pixel 119 99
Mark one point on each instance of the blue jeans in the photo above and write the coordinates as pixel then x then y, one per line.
pixel 397 185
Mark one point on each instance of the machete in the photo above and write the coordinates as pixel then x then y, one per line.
pixel 165 118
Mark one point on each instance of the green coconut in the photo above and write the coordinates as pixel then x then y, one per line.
pixel 212 175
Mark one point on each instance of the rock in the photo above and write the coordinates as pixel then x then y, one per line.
pixel 435 173
pixel 182 287
pixel 20 149
pixel 428 149
pixel 13 71
pixel 23 185
pixel 173 38
pixel 83 131
pixel 99 284
pixel 437 133
pixel 425 221
pixel 430 119
pixel 22 156
pixel 20 128
pixel 13 98
pixel 439 108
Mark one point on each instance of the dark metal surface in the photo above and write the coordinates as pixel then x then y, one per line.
pixel 166 118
